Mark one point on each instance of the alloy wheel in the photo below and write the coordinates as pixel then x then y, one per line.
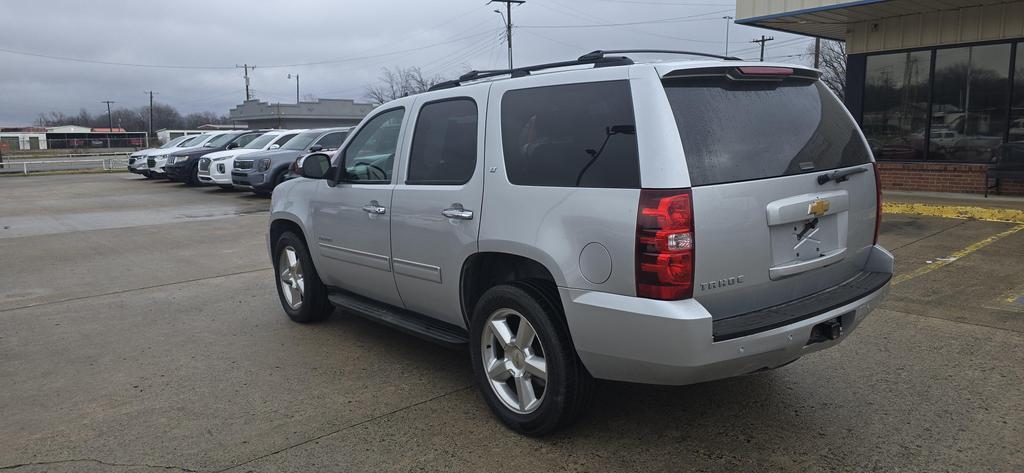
pixel 513 359
pixel 290 276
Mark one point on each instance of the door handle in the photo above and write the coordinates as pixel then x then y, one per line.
pixel 457 212
pixel 375 208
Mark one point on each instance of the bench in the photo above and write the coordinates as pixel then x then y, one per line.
pixel 1007 164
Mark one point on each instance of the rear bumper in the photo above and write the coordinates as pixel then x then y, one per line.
pixel 632 339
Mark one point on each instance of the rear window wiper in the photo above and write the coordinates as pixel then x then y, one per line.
pixel 839 176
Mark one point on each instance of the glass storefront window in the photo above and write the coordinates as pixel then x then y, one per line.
pixel 971 86
pixel 1017 104
pixel 896 104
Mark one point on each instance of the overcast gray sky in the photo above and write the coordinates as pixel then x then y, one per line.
pixel 336 47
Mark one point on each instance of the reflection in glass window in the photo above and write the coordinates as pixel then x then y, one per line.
pixel 1017 104
pixel 969 102
pixel 896 104
pixel 444 143
pixel 370 155
pixel 574 135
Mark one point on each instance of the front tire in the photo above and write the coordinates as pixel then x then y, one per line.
pixel 303 296
pixel 524 361
pixel 192 179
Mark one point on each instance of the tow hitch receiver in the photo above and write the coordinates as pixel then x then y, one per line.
pixel 828 330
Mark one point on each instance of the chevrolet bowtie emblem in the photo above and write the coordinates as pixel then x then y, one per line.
pixel 818 208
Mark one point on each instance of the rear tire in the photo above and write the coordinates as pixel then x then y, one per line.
pixel 534 383
pixel 303 296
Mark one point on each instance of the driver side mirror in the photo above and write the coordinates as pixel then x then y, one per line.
pixel 316 148
pixel 232 145
pixel 274 146
pixel 315 166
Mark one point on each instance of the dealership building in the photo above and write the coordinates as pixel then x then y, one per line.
pixel 937 85
pixel 321 113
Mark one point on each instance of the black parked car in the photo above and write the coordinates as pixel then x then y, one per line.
pixel 184 165
pixel 261 172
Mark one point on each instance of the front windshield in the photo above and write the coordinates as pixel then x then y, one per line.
pixel 302 141
pixel 173 142
pixel 193 141
pixel 220 140
pixel 262 141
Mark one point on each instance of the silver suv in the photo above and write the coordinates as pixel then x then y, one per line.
pixel 669 223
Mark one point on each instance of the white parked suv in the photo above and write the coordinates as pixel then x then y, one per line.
pixel 156 162
pixel 137 160
pixel 215 168
pixel 668 223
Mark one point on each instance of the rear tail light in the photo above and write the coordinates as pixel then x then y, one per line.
pixel 664 244
pixel 878 200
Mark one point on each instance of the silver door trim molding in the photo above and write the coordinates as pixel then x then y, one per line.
pixel 362 258
pixel 426 272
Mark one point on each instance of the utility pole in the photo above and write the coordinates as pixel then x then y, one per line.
pixel 110 120
pixel 764 39
pixel 817 53
pixel 508 24
pixel 728 23
pixel 246 67
pixel 151 94
pixel 296 87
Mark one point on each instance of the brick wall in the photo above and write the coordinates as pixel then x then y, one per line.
pixel 942 177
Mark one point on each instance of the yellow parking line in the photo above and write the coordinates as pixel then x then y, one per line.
pixel 955 211
pixel 955 256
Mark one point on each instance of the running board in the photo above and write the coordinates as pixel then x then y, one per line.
pixel 407 321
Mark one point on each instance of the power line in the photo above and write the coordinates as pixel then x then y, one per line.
pixel 568 11
pixel 109 63
pixel 678 19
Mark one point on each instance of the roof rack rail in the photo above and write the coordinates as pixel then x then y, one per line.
pixel 599 58
pixel 594 55
pixel 602 61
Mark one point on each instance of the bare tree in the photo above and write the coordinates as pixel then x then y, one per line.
pixel 134 119
pixel 833 66
pixel 399 82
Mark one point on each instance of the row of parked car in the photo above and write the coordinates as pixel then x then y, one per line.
pixel 256 160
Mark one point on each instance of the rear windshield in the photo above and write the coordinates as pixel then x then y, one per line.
pixel 739 131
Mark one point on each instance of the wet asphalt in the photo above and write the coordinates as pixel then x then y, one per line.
pixel 140 331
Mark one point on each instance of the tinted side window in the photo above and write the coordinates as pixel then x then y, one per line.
pixel 332 140
pixel 370 156
pixel 444 143
pixel 576 135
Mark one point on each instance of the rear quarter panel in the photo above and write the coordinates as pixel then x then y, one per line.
pixel 552 225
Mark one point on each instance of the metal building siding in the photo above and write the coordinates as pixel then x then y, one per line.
pixel 964 25
pixel 754 8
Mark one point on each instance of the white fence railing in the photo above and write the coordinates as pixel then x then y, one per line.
pixel 9 156
pixel 38 165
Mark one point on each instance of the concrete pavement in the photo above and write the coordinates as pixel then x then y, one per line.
pixel 148 337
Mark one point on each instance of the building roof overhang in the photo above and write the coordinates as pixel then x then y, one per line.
pixel 833 21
